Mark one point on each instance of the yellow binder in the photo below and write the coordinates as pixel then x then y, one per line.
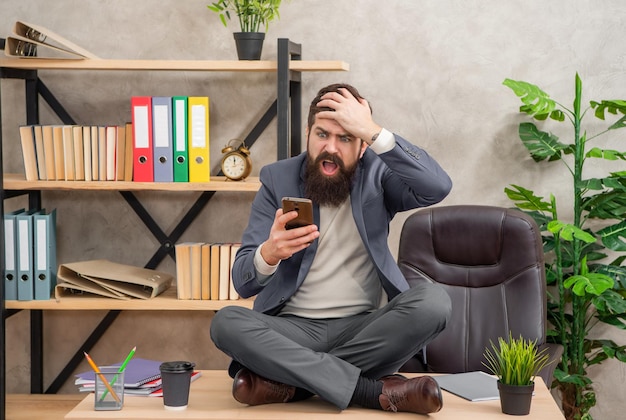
pixel 198 135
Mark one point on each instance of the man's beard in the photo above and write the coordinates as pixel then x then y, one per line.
pixel 325 190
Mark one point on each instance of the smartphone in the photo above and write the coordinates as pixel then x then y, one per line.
pixel 303 206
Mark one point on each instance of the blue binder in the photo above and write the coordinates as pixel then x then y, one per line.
pixel 10 255
pixel 44 254
pixel 162 139
pixel 24 230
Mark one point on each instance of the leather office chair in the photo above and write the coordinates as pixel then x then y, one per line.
pixel 490 261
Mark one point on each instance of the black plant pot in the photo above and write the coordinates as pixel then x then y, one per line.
pixel 249 45
pixel 516 399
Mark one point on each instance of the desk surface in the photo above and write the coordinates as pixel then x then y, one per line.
pixel 211 398
pixel 40 406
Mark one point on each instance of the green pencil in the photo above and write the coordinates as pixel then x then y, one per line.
pixel 120 370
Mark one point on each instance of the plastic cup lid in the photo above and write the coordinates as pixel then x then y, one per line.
pixel 177 366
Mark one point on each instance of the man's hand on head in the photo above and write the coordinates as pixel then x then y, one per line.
pixel 355 116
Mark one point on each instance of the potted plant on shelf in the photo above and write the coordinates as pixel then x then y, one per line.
pixel 253 16
pixel 584 244
pixel 516 362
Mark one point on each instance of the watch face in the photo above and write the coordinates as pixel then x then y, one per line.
pixel 234 166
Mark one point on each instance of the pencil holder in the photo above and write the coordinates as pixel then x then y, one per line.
pixel 109 395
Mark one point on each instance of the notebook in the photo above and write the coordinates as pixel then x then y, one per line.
pixel 473 386
pixel 138 372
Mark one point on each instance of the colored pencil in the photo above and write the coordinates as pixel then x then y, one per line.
pixel 104 381
pixel 120 370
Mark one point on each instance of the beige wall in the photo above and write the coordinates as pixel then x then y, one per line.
pixel 433 71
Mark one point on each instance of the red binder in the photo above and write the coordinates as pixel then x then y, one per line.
pixel 141 109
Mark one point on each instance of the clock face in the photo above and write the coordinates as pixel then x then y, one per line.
pixel 234 166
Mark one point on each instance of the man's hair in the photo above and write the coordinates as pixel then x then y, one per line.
pixel 314 109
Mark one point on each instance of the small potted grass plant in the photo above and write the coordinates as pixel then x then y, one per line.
pixel 516 362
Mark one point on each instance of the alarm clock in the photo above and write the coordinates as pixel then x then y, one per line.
pixel 236 162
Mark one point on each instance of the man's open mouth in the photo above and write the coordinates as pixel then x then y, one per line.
pixel 329 167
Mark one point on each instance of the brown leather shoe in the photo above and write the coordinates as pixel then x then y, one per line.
pixel 393 378
pixel 252 389
pixel 420 395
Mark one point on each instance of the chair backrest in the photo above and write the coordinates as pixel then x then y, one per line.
pixel 490 261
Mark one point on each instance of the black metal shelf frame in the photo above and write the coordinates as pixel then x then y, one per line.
pixel 287 110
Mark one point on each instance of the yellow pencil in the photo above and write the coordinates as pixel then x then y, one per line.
pixel 104 381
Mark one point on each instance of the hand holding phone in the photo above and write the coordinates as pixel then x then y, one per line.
pixel 303 206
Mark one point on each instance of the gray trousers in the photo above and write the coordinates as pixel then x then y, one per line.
pixel 327 356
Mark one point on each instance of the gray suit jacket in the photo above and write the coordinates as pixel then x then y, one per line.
pixel 402 179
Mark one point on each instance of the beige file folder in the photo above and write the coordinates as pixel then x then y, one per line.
pixel 27 38
pixel 109 279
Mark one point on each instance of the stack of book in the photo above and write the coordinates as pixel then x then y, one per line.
pixel 142 377
pixel 77 153
pixel 203 270
pixel 171 138
pixel 29 254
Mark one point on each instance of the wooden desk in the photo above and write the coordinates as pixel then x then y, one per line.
pixel 40 406
pixel 211 398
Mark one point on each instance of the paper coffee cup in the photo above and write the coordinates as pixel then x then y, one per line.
pixel 176 378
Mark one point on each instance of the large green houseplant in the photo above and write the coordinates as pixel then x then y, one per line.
pixel 585 249
pixel 254 17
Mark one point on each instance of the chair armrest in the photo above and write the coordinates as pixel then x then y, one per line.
pixel 554 351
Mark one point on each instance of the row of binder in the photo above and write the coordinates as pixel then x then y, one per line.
pixel 77 153
pixel 30 254
pixel 171 138
pixel 203 270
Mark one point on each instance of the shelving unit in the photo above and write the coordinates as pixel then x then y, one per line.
pixel 287 109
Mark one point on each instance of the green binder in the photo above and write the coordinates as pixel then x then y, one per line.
pixel 179 128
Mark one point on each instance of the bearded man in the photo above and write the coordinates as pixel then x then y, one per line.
pixel 333 314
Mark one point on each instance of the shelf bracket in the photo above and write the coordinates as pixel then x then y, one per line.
pixel 289 86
